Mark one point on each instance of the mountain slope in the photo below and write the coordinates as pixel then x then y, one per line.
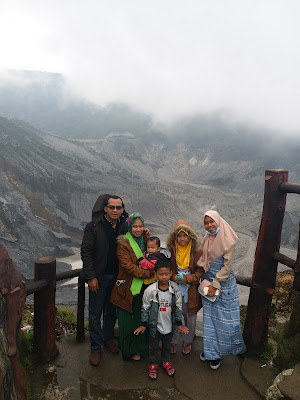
pixel 48 186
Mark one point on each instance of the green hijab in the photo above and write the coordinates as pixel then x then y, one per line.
pixel 138 246
pixel 131 220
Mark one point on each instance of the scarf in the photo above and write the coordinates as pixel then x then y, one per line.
pixel 183 253
pixel 215 246
pixel 138 246
pixel 137 283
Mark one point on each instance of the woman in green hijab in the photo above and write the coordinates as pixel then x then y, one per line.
pixel 129 288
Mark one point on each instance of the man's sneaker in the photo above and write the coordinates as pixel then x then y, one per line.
pixel 214 364
pixel 95 358
pixel 112 346
pixel 202 358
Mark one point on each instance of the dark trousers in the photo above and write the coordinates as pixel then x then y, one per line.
pixel 99 305
pixel 154 350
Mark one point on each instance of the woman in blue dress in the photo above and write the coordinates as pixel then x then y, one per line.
pixel 222 334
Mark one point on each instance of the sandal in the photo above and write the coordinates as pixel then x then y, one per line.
pixel 186 348
pixel 173 348
pixel 168 367
pixel 152 372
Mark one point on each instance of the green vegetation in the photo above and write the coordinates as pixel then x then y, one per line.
pixel 267 354
pixel 27 316
pixel 66 320
pixel 26 346
pixel 243 312
pixel 65 315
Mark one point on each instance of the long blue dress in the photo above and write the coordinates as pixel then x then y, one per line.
pixel 222 334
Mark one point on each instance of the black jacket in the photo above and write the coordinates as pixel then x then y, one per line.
pixel 94 247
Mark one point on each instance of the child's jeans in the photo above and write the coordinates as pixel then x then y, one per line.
pixel 154 350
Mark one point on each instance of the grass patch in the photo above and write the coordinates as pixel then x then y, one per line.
pixel 65 323
pixel 26 345
pixel 243 313
pixel 27 316
pixel 267 354
pixel 64 314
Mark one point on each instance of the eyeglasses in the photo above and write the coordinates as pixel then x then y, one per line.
pixel 115 207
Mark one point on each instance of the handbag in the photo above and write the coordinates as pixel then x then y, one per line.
pixel 203 289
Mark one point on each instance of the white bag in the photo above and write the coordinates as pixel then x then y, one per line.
pixel 203 289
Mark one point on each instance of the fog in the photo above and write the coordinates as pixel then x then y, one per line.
pixel 168 58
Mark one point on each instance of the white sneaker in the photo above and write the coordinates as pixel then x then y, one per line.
pixel 202 358
pixel 214 364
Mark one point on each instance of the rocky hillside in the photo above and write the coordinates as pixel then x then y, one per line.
pixel 48 185
pixel 50 181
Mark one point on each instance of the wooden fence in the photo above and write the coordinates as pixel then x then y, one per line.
pixel 262 283
pixel 44 288
pixel 267 257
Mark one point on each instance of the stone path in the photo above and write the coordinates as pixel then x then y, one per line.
pixel 71 377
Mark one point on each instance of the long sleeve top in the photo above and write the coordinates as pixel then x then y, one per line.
pixel 224 272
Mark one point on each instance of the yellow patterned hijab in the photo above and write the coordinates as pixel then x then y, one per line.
pixel 183 253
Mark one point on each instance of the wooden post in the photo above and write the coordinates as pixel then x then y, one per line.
pixel 44 310
pixel 296 284
pixel 80 309
pixel 265 267
pixel 7 387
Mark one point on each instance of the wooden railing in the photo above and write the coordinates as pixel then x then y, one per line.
pixel 267 256
pixel 262 283
pixel 44 288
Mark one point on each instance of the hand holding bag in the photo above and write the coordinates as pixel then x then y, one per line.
pixel 203 289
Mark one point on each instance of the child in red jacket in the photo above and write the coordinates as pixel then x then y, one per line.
pixel 154 252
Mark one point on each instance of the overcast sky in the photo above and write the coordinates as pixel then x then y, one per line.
pixel 168 57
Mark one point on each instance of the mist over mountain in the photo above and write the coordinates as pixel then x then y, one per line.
pixel 45 101
pixel 53 169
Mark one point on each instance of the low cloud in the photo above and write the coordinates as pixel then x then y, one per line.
pixel 169 58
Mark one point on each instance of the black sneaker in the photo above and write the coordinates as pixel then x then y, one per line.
pixel 202 358
pixel 214 364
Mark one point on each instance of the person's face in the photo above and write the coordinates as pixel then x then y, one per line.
pixel 137 228
pixel 209 224
pixel 113 209
pixel 163 274
pixel 182 238
pixel 152 247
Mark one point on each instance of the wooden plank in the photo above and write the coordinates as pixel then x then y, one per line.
pixel 68 274
pixel 282 259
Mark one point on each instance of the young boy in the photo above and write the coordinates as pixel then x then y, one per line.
pixel 154 252
pixel 161 310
